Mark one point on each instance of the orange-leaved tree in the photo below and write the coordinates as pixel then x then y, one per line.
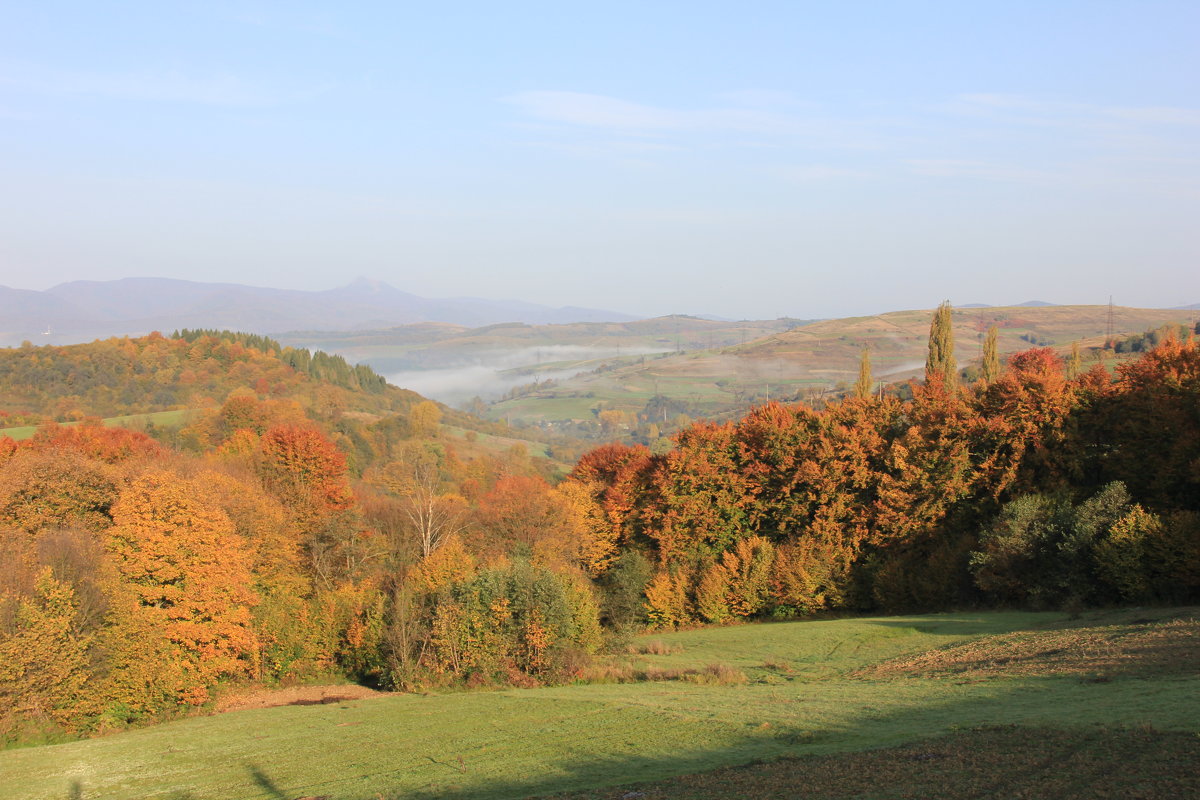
pixel 191 572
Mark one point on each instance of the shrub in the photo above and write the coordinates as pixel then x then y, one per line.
pixel 624 586
pixel 1121 558
pixel 517 618
pixel 667 603
pixel 1041 550
pixel 712 595
pixel 749 569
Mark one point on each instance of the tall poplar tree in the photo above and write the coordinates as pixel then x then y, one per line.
pixel 991 357
pixel 1075 363
pixel 862 389
pixel 941 347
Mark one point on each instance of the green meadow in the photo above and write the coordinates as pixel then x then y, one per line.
pixel 163 419
pixel 708 698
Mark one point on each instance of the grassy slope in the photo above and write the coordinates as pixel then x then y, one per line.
pixel 499 444
pixel 800 700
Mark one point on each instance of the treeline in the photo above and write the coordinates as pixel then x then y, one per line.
pixel 1029 489
pixel 317 364
pixel 1141 342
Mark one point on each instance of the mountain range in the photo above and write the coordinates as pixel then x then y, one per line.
pixel 81 310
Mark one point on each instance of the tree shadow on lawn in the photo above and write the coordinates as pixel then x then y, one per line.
pixel 1004 743
pixel 996 762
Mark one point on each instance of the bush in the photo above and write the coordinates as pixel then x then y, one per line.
pixel 623 606
pixel 712 595
pixel 667 603
pixel 514 620
pixel 1121 558
pixel 1042 551
pixel 748 565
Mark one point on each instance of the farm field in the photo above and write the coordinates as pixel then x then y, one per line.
pixel 707 699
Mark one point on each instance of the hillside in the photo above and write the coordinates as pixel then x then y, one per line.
pixel 167 381
pixel 814 360
pixel 708 698
pixel 252 531
pixel 82 310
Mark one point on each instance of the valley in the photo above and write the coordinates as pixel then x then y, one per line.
pixel 560 377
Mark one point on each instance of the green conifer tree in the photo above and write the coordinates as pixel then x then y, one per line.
pixel 941 347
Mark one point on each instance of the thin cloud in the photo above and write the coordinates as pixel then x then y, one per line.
pixel 599 111
pixel 821 172
pixel 1031 110
pixel 159 87
pixel 976 170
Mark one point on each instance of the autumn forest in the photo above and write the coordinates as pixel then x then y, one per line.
pixel 282 516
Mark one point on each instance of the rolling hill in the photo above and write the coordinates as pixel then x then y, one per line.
pixel 814 359
pixel 455 363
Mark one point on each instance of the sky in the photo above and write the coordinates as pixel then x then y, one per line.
pixel 748 160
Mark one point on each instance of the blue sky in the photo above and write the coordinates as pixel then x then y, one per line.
pixel 751 159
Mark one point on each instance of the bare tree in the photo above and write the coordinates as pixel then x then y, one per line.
pixel 433 514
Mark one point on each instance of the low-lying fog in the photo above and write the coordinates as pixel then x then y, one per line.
pixel 489 374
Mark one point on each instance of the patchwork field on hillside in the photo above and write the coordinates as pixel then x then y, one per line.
pixel 813 359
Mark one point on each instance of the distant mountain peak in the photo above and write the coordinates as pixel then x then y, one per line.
pixel 362 282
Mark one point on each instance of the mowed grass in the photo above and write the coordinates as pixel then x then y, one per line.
pixel 806 694
pixel 162 419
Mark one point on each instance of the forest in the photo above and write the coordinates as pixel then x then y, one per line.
pixel 308 520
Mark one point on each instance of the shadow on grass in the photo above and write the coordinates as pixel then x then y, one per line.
pixel 264 782
pixel 946 749
pixel 578 765
pixel 1031 763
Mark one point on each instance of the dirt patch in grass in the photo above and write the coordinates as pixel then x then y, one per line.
pixel 295 696
pixel 1137 649
pixel 1010 762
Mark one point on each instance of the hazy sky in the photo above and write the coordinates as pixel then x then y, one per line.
pixel 752 159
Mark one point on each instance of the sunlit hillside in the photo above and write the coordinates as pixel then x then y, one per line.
pixel 818 359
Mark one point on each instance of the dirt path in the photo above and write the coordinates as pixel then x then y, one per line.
pixel 296 696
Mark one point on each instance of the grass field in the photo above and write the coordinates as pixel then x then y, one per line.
pixel 801 690
pixel 158 418
pixel 496 444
